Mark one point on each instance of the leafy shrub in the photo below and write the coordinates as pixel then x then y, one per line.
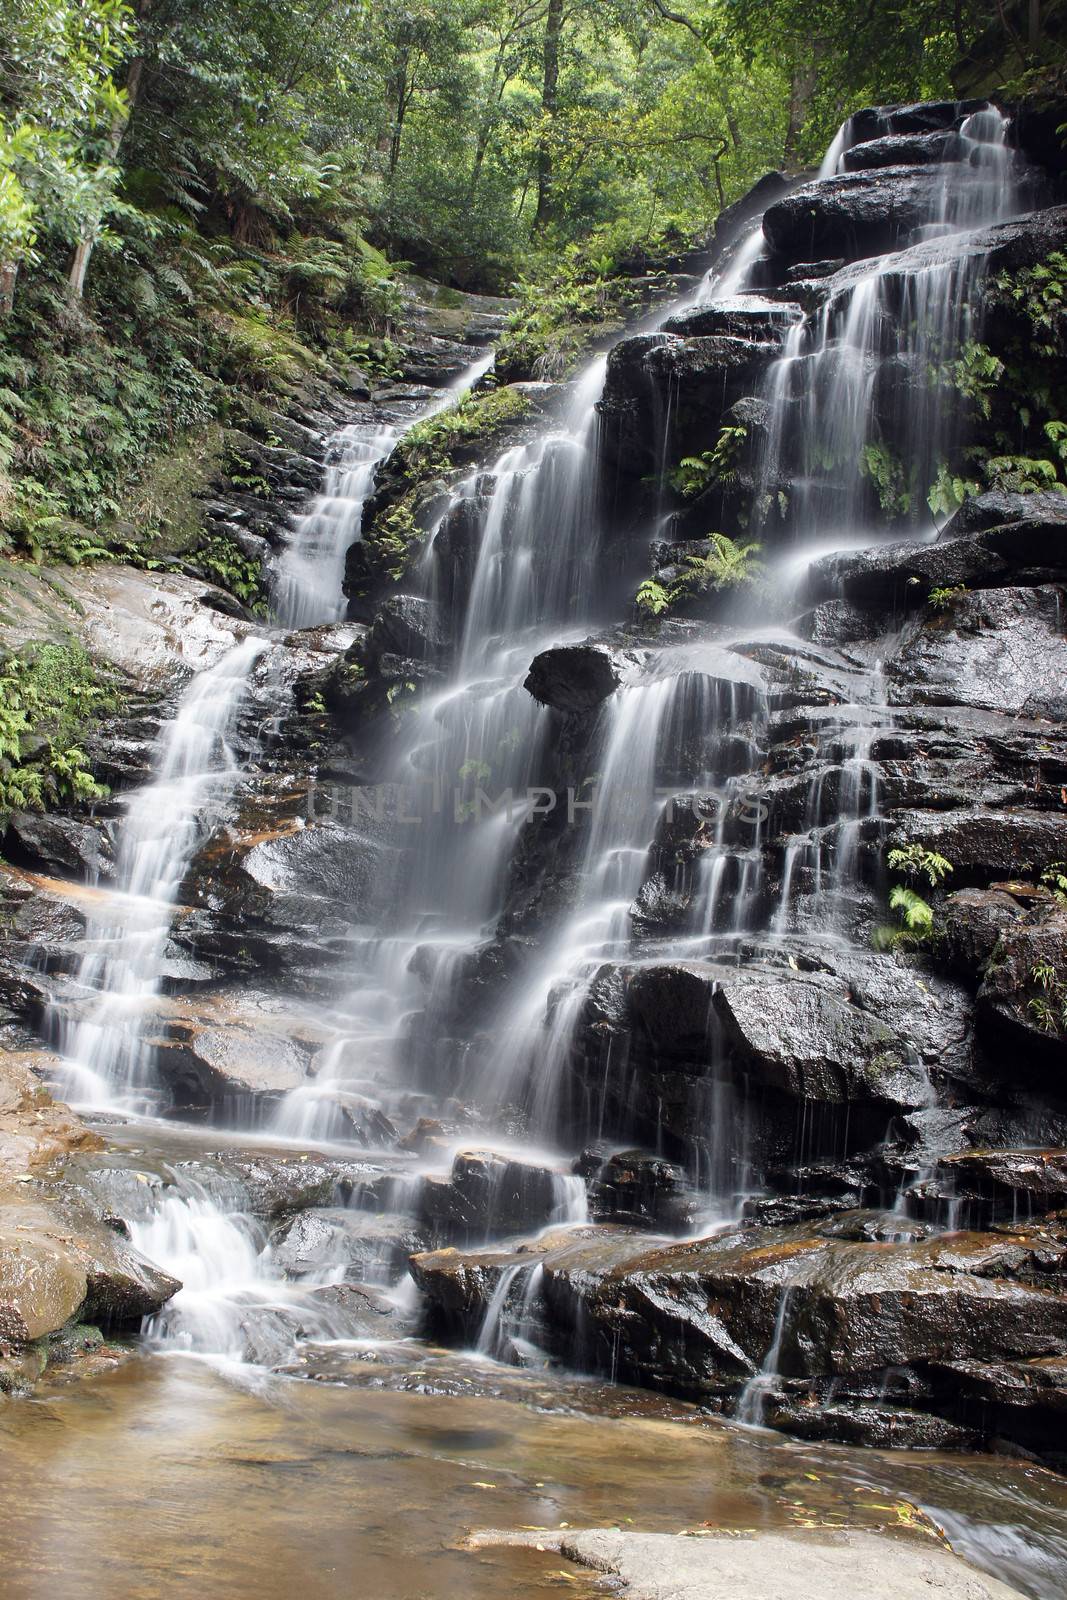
pixel 50 694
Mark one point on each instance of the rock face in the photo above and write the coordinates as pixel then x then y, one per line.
pixel 834 1311
pixel 736 1022
pixel 856 215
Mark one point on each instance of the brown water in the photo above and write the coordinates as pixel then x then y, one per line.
pixel 170 1475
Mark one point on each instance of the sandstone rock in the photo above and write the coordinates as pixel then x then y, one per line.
pixel 849 1565
pixel 366 1245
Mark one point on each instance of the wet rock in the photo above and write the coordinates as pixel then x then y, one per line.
pixel 998 508
pixel 57 1261
pixel 984 846
pixel 856 215
pixel 37 1133
pixel 1001 649
pixel 974 921
pixel 231 1047
pixel 636 1189
pixel 59 844
pixel 1027 551
pixel 655 378
pixel 278 1185
pixel 698 1318
pixel 364 1244
pixel 486 1193
pixel 406 625
pixel 905 150
pixel 1006 1182
pixel 1024 989
pixel 576 678
pixel 307 882
pixel 731 219
pixel 749 318
pixel 811 1044
pixel 926 116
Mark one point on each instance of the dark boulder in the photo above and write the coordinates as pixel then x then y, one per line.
pixel 927 116
pixel 636 1189
pixel 856 215
pixel 60 844
pixel 486 1193
pixel 997 508
pixel 973 922
pixel 805 1041
pixel 842 1314
pixel 905 150
pixel 991 542
pixel 406 625
pixel 746 318
pixel 692 383
pixel 368 1245
pixel 575 678
pixel 1023 997
pixel 984 846
pixel 764 192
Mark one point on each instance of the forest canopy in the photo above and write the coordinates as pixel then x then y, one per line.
pixel 201 183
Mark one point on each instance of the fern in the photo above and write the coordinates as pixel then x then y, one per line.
pixel 916 914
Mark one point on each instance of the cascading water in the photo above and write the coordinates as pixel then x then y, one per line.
pixel 516 566
pixel 308 582
pixel 107 1061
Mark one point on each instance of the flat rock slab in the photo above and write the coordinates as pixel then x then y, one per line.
pixel 768 1566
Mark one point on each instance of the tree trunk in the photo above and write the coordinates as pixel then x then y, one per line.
pixel 8 275
pixel 802 84
pixel 1033 24
pixel 401 94
pixel 79 265
pixel 549 102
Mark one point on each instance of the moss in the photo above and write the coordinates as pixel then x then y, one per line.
pixel 433 448
pixel 161 515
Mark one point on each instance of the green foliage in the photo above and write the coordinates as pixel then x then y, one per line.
pixel 694 474
pixel 579 299
pixel 914 861
pixel 652 598
pixel 917 921
pixel 943 599
pixel 1040 294
pixel 394 536
pixel 219 559
pixel 50 696
pixel 915 913
pixel 1054 877
pixel 890 480
pixel 1022 474
pixel 727 563
pixel 430 448
pixel 948 492
pixel 974 373
pixel 1049 1006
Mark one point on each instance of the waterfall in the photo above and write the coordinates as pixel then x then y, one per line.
pixel 99 1025
pixel 307 589
pixel 525 557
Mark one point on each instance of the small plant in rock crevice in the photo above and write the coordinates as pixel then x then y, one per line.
pixel 916 914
